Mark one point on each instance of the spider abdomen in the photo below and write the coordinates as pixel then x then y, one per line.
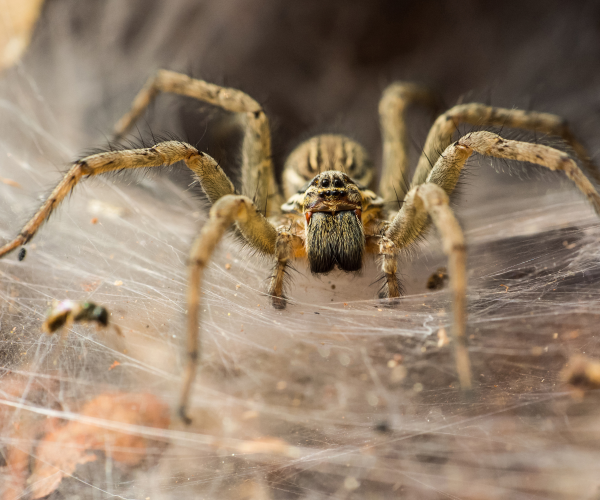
pixel 335 239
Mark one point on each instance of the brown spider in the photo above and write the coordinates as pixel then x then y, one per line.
pixel 331 217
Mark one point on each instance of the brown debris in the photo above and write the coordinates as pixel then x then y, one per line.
pixel 438 279
pixel 582 373
pixel 61 451
pixel 104 425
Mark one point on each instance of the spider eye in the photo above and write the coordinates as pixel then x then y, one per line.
pixel 338 183
pixel 325 182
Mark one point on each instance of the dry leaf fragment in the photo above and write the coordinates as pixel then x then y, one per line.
pixel 23 430
pixel 61 451
pixel 114 365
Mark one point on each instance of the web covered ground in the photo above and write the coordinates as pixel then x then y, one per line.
pixel 339 396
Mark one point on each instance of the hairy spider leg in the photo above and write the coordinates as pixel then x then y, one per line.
pixel 419 206
pixel 440 135
pixel 227 208
pixel 226 211
pixel 392 119
pixel 284 252
pixel 430 201
pixel 212 178
pixel 447 171
pixel 258 178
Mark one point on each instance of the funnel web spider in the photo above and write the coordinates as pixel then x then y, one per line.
pixel 331 217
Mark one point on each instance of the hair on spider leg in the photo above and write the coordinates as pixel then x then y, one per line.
pixel 286 273
pixel 256 189
pixel 140 136
pixel 422 150
pixel 197 143
pixel 404 184
pixel 149 127
pixel 381 277
pixel 383 293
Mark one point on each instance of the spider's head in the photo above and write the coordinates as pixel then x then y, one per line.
pixel 334 231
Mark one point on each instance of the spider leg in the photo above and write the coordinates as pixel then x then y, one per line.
pixel 422 203
pixel 409 224
pixel 389 265
pixel 227 208
pixel 223 214
pixel 429 201
pixel 258 177
pixel 392 109
pixel 284 252
pixel 440 135
pixel 212 178
pixel 448 167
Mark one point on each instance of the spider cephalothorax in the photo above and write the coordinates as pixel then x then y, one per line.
pixel 339 212
pixel 330 218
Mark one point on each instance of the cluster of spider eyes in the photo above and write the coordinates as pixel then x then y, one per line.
pixel 333 193
pixel 338 183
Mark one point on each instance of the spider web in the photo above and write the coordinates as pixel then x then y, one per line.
pixel 340 395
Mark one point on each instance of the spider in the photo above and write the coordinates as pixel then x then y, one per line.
pixel 331 216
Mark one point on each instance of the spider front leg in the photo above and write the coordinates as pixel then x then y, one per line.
pixel 440 135
pixel 389 265
pixel 447 169
pixel 429 201
pixel 258 178
pixel 227 208
pixel 259 233
pixel 212 178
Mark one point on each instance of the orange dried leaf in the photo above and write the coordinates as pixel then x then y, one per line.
pixel 23 430
pixel 61 451
pixel 17 466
